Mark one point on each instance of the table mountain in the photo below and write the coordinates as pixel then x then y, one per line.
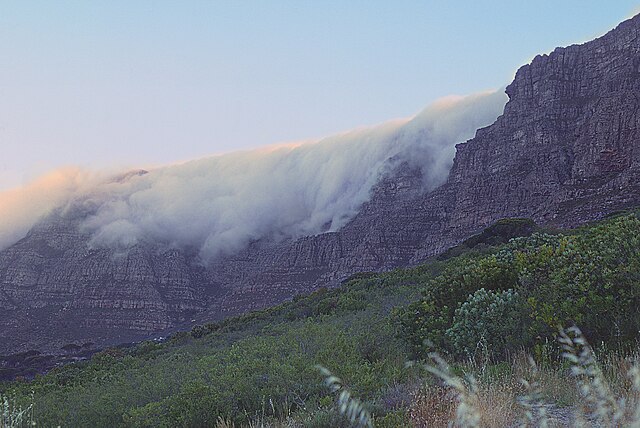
pixel 566 151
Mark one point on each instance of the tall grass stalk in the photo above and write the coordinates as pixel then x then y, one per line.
pixel 467 414
pixel 532 402
pixel 14 416
pixel 596 403
pixel 601 404
pixel 349 406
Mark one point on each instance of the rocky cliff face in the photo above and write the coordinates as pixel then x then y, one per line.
pixel 56 290
pixel 565 151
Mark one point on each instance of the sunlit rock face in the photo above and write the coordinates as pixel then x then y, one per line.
pixel 565 151
pixel 567 148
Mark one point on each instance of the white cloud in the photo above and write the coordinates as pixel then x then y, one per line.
pixel 220 204
pixel 22 207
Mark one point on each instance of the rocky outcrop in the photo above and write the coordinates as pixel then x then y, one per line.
pixel 57 290
pixel 565 151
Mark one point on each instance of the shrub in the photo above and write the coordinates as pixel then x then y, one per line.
pixel 589 278
pixel 429 319
pixel 495 319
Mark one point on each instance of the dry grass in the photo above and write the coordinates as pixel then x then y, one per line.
pixel 493 405
pixel 433 407
pixel 496 403
pixel 259 422
pixel 587 392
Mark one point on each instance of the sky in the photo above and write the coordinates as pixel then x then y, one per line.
pixel 122 84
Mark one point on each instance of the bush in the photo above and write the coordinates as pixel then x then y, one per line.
pixel 590 277
pixel 496 320
pixel 428 320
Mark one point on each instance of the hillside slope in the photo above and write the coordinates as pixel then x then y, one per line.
pixel 261 365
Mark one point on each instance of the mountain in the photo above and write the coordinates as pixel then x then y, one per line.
pixel 365 332
pixel 565 151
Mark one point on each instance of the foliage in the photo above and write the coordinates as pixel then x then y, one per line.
pixel 496 318
pixel 260 365
pixel 428 320
pixel 590 277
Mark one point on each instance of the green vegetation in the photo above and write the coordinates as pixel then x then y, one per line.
pixel 261 365
pixel 589 278
pixel 487 300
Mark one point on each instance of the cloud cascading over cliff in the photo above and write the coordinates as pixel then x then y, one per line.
pixel 219 204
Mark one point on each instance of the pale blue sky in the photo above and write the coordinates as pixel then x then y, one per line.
pixel 139 83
